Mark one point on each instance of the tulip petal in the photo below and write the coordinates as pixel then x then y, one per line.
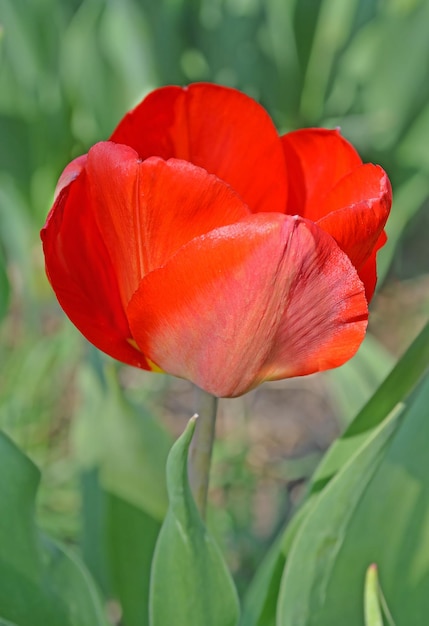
pixel 216 128
pixel 70 172
pixel 317 159
pixel 368 270
pixel 270 297
pixel 147 210
pixel 79 268
pixel 355 212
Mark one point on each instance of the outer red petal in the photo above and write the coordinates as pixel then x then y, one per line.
pixel 147 210
pixel 368 270
pixel 217 128
pixel 80 270
pixel 70 172
pixel 269 297
pixel 316 160
pixel 355 212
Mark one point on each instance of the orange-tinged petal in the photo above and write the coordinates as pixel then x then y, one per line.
pixel 147 210
pixel 316 160
pixel 79 268
pixel 355 212
pixel 217 128
pixel 269 297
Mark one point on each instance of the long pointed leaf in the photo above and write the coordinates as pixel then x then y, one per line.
pixel 190 583
pixel 320 537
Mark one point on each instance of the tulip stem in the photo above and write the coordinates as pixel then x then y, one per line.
pixel 200 452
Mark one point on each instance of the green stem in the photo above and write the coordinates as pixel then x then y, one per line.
pixel 200 452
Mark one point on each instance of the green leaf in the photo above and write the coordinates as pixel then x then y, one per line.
pixel 374 511
pixel 259 605
pixel 131 535
pixel 127 445
pixel 401 43
pixel 372 608
pixel 407 200
pixel 356 381
pixel 334 25
pixel 41 582
pixel 190 583
pixel 375 605
pixel 320 538
pixel 260 602
pixel 411 151
pixel 118 545
pixel 94 531
pixel 4 286
pixel 396 386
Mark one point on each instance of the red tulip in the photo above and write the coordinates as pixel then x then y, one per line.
pixel 198 242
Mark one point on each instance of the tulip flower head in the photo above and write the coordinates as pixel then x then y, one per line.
pixel 199 242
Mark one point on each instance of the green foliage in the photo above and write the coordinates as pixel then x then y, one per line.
pixel 68 72
pixel 394 389
pixel 41 582
pixel 260 608
pixel 372 607
pixel 123 452
pixel 356 381
pixel 345 532
pixel 128 446
pixel 303 595
pixel 4 287
pixel 132 537
pixel 118 544
pixel 190 583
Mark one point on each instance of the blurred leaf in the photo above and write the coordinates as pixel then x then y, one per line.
pixel 15 227
pixel 190 583
pixel 398 384
pixel 128 446
pixel 306 15
pixel 334 24
pixel 40 581
pixel 283 95
pixel 320 538
pixel 374 511
pixel 124 37
pixel 407 200
pixel 15 148
pixel 392 91
pixel 412 151
pixel 132 536
pixel 354 383
pixel 105 56
pixel 94 529
pixel 259 605
pixel 260 602
pixel 118 544
pixel 4 287
pixel 40 367
pixel 396 84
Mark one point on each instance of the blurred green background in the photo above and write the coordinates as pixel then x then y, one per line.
pixel 69 70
